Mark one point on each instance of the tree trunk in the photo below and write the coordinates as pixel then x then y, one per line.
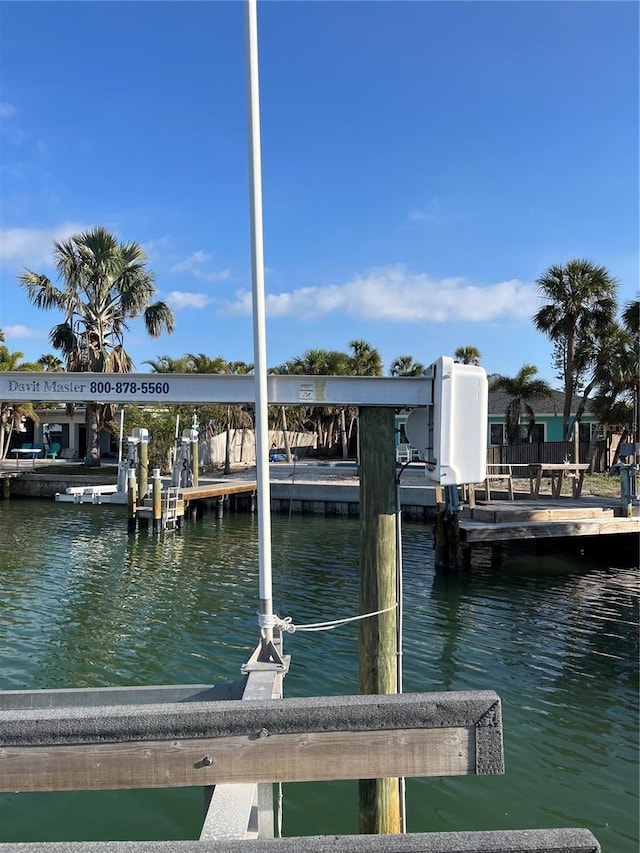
pixel 343 435
pixel 591 450
pixel 4 446
pixel 227 444
pixel 568 384
pixel 93 423
pixel 285 434
pixel 580 410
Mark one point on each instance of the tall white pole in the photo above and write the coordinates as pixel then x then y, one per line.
pixel 259 332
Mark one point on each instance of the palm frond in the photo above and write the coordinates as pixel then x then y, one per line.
pixel 41 291
pixel 63 338
pixel 158 318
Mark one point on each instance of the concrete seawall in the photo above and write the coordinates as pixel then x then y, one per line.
pixel 335 498
pixel 28 485
pixel 304 487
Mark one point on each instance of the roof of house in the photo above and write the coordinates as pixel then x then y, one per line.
pixel 498 402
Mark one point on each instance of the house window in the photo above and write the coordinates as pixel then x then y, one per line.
pixel 536 433
pixel 496 434
pixel 586 431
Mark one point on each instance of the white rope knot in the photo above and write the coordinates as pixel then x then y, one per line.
pixel 267 620
pixel 271 620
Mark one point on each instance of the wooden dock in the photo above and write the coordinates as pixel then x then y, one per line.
pixel 507 521
pixel 217 490
pixel 167 509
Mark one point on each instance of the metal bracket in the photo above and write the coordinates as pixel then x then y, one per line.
pixel 268 657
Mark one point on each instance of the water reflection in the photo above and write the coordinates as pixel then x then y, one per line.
pixel 85 604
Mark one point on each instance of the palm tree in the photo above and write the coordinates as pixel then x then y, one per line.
pixel 12 414
pixel 631 317
pixel 201 363
pixel 238 417
pixel 616 375
pixel 365 359
pixel 321 362
pixel 167 364
pixel 468 355
pixel 523 390
pixel 580 306
pixel 104 284
pixel 50 363
pixel 404 365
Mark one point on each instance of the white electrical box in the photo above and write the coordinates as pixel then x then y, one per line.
pixel 451 434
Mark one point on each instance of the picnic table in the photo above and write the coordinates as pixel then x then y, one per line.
pixel 556 473
pixel 28 453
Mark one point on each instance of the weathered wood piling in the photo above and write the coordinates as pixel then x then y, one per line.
pixel 379 801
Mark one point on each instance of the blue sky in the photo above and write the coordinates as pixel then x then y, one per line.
pixel 423 163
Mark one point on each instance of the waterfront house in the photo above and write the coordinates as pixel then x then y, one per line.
pixel 68 429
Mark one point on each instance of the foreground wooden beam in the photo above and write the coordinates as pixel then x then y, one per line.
pixel 508 841
pixel 205 743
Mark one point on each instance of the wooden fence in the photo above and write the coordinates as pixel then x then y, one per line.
pixel 554 452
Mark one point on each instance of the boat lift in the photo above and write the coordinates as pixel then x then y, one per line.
pixel 452 435
pixel 447 424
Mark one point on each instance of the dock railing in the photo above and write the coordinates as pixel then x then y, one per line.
pixel 201 735
pixel 506 841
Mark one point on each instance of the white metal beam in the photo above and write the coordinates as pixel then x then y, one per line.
pixel 168 388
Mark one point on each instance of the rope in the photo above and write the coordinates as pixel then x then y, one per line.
pixel 287 625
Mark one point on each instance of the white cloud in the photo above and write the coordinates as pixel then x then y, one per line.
pixel 393 294
pixel 33 247
pixel 19 331
pixel 179 299
pixel 192 262
pixel 195 265
pixel 431 212
pixel 6 110
pixel 159 244
pixel 422 216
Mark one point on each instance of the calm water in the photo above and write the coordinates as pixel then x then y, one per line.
pixel 84 605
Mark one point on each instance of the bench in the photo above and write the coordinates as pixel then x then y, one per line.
pixel 496 472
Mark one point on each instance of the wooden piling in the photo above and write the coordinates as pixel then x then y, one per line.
pixel 132 502
pixel 157 501
pixel 379 802
pixel 449 553
pixel 143 469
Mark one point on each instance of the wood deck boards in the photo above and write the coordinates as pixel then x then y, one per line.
pixel 216 490
pixel 503 521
